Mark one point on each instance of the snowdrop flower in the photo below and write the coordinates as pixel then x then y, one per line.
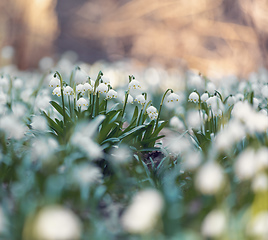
pixel 215 104
pixel 256 103
pixel 209 178
pixel 196 82
pixel 239 97
pixel 82 102
pixel 152 112
pixel 42 103
pixel 55 222
pixel 79 88
pixel 121 154
pixel 261 159
pixel 12 127
pixel 105 80
pixel 214 224
pixel 129 99
pixel 3 98
pixel 217 113
pixel 111 94
pixel 260 183
pixel 192 160
pixel 172 97
pixel 140 99
pixel 54 82
pixel 258 226
pixel 57 91
pixel 211 87
pixel 264 91
pixel 178 145
pixel 17 83
pixel 143 212
pixel 231 100
pixel 68 91
pixel 39 123
pixel 102 88
pixel 193 97
pixel 134 84
pixel 204 97
pixel 87 87
pixel 87 174
pixel 176 123
pixel 4 83
pixel 19 109
pixel 245 165
pixel 80 76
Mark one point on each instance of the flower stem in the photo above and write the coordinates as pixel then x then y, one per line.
pixel 62 97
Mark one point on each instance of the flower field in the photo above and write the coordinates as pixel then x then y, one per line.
pixel 89 153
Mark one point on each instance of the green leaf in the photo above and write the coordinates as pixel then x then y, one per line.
pixel 53 124
pixel 133 132
pixel 60 110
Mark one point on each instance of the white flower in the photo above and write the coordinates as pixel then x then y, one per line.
pixel 196 82
pixel 105 80
pixel 172 97
pixel 121 154
pixel 209 178
pixel 194 119
pixel 140 99
pixel 102 88
pixel 245 165
pixel 176 123
pixel 57 91
pixel 79 88
pixel 262 159
pixel 111 94
pixel 264 91
pixel 68 91
pixel 152 112
pixel 87 174
pixel 56 222
pixel 260 183
pixel 211 87
pixel 231 100
pixel 80 76
pixel 54 82
pixel 4 83
pixel 12 127
pixel 256 103
pixel 215 103
pixel 204 97
pixel 194 97
pixel 192 160
pixel 239 97
pixel 18 83
pixel 19 109
pixel 142 214
pixel 39 123
pixel 258 226
pixel 214 224
pixel 82 102
pixel 178 145
pixel 134 84
pixel 129 99
pixel 87 87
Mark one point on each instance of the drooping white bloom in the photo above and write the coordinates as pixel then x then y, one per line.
pixel 258 226
pixel 17 83
pixel 4 83
pixel 87 87
pixel 140 99
pixel 152 112
pixel 231 100
pixel 82 102
pixel 214 224
pixel 56 222
pixel 79 88
pixel 215 103
pixel 111 94
pixel 172 97
pixel 39 123
pixel 80 76
pixel 245 165
pixel 176 123
pixel 68 91
pixel 129 99
pixel 105 80
pixel 134 84
pixel 204 97
pixel 193 97
pixel 102 88
pixel 54 82
pixel 142 214
pixel 209 178
pixel 57 91
pixel 260 183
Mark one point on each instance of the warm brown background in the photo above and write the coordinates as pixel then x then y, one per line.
pixel 213 36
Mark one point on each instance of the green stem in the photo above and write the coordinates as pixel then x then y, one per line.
pixel 62 97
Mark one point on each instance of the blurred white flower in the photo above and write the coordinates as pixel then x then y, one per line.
pixel 245 165
pixel 194 119
pixel 105 80
pixel 129 99
pixel 239 97
pixel 68 91
pixel 80 76
pixel 142 214
pixel 12 127
pixel 192 160
pixel 57 91
pixel 211 87
pixel 46 63
pixel 178 145
pixel 83 103
pixel 215 103
pixel 193 97
pixel 3 98
pixel 17 83
pixel 256 103
pixel 261 159
pixel 87 87
pixel 121 154
pixel 260 183
pixel 264 91
pixel 140 99
pixel 176 123
pixel 209 178
pixel 152 112
pixel 87 174
pixel 214 224
pixel 54 82
pixel 204 97
pixel 258 226
pixel 42 103
pixel 19 109
pixel 79 88
pixel 102 88
pixel 56 222
pixel 39 123
pixel 111 94
pixel 231 100
pixel 196 82
pixel 4 83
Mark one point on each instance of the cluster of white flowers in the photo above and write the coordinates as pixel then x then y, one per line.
pixel 152 112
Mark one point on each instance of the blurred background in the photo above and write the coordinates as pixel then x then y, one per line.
pixel 215 37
